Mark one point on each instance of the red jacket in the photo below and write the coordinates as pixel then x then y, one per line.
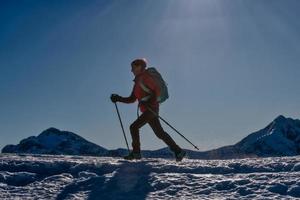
pixel 141 80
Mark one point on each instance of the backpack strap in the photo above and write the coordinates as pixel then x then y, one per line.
pixel 146 89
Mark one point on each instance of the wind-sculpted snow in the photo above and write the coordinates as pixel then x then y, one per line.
pixel 77 177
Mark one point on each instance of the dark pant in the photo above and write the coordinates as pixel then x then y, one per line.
pixel 153 121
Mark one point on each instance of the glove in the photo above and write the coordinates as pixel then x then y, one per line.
pixel 115 98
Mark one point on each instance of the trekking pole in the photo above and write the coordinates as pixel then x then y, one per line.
pixel 172 128
pixel 122 126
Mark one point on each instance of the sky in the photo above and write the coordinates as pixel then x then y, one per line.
pixel 231 67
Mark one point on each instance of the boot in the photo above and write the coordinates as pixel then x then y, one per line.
pixel 180 155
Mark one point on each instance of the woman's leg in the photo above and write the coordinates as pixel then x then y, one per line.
pixel 145 117
pixel 160 133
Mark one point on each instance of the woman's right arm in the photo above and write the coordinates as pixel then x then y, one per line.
pixel 130 99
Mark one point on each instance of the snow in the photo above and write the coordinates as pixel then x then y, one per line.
pixel 26 176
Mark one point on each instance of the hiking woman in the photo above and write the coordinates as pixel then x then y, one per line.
pixel 146 91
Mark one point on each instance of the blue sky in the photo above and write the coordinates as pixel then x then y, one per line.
pixel 231 66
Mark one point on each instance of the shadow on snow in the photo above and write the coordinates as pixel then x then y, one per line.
pixel 131 180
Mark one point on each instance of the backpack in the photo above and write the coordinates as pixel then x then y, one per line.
pixel 164 95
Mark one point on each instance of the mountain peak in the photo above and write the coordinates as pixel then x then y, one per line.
pixel 280 119
pixel 51 130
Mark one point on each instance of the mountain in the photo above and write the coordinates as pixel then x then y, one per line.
pixel 280 138
pixel 54 141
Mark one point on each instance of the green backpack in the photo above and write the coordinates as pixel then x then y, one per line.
pixel 164 95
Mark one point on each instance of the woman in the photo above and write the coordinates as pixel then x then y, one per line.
pixel 146 91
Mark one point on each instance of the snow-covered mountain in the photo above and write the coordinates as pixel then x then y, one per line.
pixel 54 141
pixel 60 177
pixel 280 138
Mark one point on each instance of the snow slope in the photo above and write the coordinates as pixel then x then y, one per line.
pixel 78 177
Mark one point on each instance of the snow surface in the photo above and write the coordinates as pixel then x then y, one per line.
pixel 60 177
